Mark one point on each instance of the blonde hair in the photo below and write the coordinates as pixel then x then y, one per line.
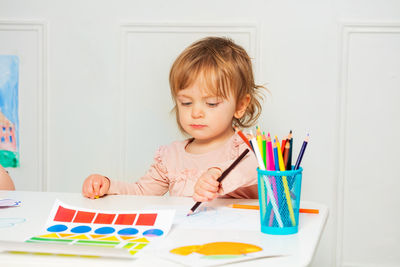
pixel 225 68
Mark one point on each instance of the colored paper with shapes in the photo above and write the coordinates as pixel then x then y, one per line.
pixel 9 125
pixel 131 231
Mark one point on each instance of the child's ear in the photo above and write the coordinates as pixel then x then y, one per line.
pixel 242 106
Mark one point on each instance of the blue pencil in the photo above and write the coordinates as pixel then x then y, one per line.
pixel 276 160
pixel 300 157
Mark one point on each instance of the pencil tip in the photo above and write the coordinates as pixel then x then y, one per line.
pixel 190 213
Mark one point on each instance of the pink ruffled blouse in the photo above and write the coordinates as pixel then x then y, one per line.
pixel 177 171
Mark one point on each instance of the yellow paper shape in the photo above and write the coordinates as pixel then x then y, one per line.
pixel 124 237
pixel 97 236
pixel 65 235
pixel 110 238
pixel 140 246
pixel 53 235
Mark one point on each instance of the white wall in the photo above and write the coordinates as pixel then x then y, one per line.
pixel 94 97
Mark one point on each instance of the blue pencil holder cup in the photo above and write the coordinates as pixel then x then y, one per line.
pixel 279 197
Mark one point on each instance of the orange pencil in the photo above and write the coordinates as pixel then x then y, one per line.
pixel 241 134
pixel 255 207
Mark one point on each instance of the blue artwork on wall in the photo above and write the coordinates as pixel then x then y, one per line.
pixel 9 127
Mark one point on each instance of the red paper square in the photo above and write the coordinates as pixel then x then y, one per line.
pixel 64 215
pixel 84 217
pixel 125 219
pixel 147 219
pixel 104 218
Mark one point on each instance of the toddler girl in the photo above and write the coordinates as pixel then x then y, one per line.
pixel 213 89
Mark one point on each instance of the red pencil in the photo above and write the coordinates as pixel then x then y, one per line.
pixel 283 145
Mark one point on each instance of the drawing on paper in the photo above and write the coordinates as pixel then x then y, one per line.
pixel 132 230
pixel 218 250
pixel 9 128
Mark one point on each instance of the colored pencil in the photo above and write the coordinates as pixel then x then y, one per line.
pixel 271 167
pixel 256 207
pixel 285 185
pixel 264 151
pixel 286 155
pixel 223 175
pixel 283 145
pixel 289 163
pixel 275 148
pixel 270 154
pixel 267 183
pixel 301 153
pixel 257 152
pixel 259 140
pixel 244 138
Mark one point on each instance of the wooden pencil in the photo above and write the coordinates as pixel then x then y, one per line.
pixel 256 207
pixel 244 138
pixel 286 155
pixel 301 153
pixel 289 162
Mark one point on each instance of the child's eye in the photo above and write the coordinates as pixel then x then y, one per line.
pixel 186 103
pixel 213 105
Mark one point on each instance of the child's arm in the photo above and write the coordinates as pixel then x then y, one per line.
pixel 154 182
pixel 6 182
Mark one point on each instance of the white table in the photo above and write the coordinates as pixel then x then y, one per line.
pixel 298 248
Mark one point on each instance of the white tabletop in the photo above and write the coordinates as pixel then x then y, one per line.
pixel 298 248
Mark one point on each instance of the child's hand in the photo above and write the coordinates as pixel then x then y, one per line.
pixel 95 186
pixel 207 187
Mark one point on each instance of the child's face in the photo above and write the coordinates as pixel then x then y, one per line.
pixel 203 115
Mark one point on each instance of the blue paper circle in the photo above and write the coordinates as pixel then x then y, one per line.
pixel 81 229
pixel 128 231
pixel 104 230
pixel 153 232
pixel 57 228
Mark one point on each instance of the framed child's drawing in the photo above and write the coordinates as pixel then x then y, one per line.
pixel 9 128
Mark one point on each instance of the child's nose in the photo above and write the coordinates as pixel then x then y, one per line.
pixel 197 111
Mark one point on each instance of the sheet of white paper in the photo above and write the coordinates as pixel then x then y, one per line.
pixel 208 217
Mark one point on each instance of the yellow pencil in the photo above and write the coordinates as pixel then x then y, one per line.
pixel 259 140
pixel 285 183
